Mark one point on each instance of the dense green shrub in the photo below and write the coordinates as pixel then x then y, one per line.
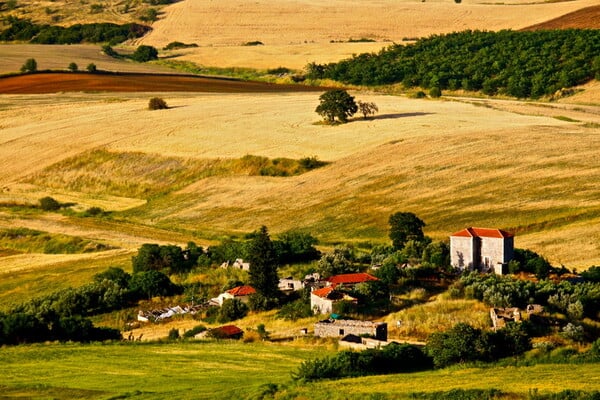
pixel 179 45
pixel 190 333
pixel 29 66
pixel 144 54
pixel 231 310
pixel 393 358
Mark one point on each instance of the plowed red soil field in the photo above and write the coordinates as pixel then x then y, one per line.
pixel 83 82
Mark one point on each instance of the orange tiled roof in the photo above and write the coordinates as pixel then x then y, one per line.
pixel 323 292
pixel 351 278
pixel 242 290
pixel 483 232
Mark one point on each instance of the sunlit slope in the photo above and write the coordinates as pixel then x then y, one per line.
pixel 454 164
pixel 296 32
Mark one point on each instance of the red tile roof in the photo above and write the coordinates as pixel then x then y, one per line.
pixel 483 232
pixel 242 290
pixel 229 330
pixel 323 292
pixel 351 278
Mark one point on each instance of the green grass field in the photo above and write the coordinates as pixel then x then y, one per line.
pixel 228 370
pixel 213 370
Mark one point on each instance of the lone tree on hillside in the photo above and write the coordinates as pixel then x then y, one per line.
pixel 367 108
pixel 405 226
pixel 263 267
pixel 338 104
pixel 29 66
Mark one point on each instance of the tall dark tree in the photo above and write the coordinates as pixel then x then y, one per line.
pixel 336 103
pixel 263 264
pixel 405 226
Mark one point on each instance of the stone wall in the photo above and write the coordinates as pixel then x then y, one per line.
pixel 341 328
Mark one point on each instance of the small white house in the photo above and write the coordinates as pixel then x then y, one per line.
pixel 242 293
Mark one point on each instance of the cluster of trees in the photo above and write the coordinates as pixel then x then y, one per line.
pixel 338 105
pixel 393 358
pixel 519 64
pixel 143 53
pixel 25 30
pixel 575 300
pixel 463 343
pixel 291 247
pixel 64 315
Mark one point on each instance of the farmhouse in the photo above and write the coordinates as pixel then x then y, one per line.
pixel 241 293
pixel 481 249
pixel 322 300
pixel 290 284
pixel 342 327
pixel 237 264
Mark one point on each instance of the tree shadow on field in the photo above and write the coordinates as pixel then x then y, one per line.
pixel 400 115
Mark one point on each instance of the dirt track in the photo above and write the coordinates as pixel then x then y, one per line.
pixel 80 82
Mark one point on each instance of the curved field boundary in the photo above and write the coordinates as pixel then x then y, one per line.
pixel 48 82
pixel 586 18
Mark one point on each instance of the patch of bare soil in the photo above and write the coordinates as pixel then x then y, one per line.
pixel 79 82
pixel 586 18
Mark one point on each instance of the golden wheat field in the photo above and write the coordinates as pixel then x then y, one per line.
pixel 453 162
pixel 296 32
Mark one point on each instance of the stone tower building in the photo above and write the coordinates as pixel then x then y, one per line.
pixel 481 249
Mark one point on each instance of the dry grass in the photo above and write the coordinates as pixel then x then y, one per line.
pixel 420 321
pixel 296 32
pixel 452 163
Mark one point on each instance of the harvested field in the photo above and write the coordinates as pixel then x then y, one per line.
pixel 415 155
pixel 296 32
pixel 83 82
pixel 586 18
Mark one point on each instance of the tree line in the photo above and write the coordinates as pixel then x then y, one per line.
pixel 25 30
pixel 64 315
pixel 519 64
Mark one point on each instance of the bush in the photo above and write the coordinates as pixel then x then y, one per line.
pixel 49 204
pixel 73 67
pixel 393 358
pixel 29 66
pixel 144 54
pixel 194 331
pixel 91 67
pixel 231 310
pixel 435 92
pixel 156 103
pixel 173 334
